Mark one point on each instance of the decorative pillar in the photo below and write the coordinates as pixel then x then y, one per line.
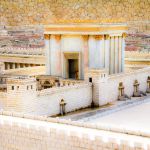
pixel 47 53
pixel 116 59
pixel 86 51
pixel 13 65
pixel 100 50
pixel 123 51
pixel 120 53
pixel 112 56
pixel 55 52
pixel 8 66
pixel 106 49
pixel 92 52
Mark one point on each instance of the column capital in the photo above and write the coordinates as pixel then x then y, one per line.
pixel 106 36
pixel 57 37
pixel 85 37
pixel 124 35
pixel 98 37
pixel 46 36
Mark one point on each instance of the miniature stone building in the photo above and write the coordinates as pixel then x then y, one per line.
pixel 72 48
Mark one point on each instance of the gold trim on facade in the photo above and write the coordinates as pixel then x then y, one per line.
pixel 98 37
pixel 46 36
pixel 57 37
pixel 106 37
pixel 124 35
pixel 85 37
pixel 84 29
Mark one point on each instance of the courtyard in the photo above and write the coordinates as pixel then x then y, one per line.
pixel 135 118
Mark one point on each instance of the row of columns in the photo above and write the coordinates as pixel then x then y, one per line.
pixel 99 51
pixel 9 65
pixel 110 51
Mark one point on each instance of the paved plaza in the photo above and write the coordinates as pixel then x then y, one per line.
pixel 136 117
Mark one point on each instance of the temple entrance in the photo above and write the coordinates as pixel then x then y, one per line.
pixel 71 62
pixel 73 68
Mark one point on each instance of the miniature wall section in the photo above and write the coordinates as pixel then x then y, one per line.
pixel 94 76
pixel 20 92
pixel 21 96
pixel 23 134
pixel 112 83
pixel 75 96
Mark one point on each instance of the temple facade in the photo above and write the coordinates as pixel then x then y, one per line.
pixel 73 48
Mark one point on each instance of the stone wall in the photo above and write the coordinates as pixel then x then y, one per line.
pixel 27 12
pixel 74 95
pixel 27 134
pixel 23 99
pixel 111 84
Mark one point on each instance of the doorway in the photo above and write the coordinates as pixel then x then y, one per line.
pixel 73 68
pixel 71 64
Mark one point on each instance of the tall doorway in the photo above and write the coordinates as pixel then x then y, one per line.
pixel 71 62
pixel 73 68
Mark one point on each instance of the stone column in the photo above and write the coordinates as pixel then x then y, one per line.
pixel 85 52
pixel 112 60
pixel 92 52
pixel 47 53
pixel 55 52
pixel 100 48
pixel 17 65
pixel 8 66
pixel 116 70
pixel 107 46
pixel 123 51
pixel 120 53
pixel 23 66
pixel 13 65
